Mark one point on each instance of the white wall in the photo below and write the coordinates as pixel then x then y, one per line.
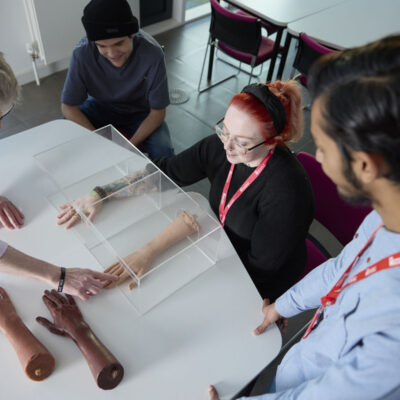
pixel 14 34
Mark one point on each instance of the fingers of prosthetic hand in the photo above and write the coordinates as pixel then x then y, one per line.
pixel 120 272
pixel 50 326
pixel 68 216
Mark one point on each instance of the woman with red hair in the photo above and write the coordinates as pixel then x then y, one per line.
pixel 259 190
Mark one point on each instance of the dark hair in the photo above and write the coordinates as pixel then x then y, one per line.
pixel 360 93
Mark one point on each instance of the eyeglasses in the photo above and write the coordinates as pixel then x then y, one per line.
pixel 8 112
pixel 224 136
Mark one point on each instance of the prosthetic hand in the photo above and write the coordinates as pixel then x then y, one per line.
pixel 140 261
pixel 68 321
pixel 35 359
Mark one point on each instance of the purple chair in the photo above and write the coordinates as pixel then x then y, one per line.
pixel 336 215
pixel 271 29
pixel 238 36
pixel 315 257
pixel 308 51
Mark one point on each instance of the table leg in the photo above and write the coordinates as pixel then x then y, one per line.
pixel 274 54
pixel 284 55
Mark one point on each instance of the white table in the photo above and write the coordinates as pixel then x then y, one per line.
pixel 200 335
pixel 280 13
pixel 350 24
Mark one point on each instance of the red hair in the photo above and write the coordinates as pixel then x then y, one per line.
pixel 289 94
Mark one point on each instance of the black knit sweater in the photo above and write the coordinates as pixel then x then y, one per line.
pixel 268 223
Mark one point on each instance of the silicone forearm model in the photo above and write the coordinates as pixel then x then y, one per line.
pixel 140 261
pixel 68 321
pixel 124 187
pixel 35 359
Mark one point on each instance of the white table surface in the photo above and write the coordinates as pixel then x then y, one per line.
pixel 281 12
pixel 200 335
pixel 352 23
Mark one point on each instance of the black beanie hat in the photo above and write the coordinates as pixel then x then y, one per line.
pixel 107 19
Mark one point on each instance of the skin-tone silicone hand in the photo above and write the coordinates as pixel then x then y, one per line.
pixel 10 216
pixel 138 262
pixel 270 316
pixel 84 283
pixel 89 204
pixel 68 321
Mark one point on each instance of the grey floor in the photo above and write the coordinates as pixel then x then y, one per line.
pixel 188 122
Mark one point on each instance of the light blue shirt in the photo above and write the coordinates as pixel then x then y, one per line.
pixel 354 353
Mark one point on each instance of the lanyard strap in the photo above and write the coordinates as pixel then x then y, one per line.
pixel 224 210
pixel 329 299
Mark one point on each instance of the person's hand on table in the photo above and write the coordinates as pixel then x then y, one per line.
pixel 84 283
pixel 10 216
pixel 212 393
pixel 89 205
pixel 270 316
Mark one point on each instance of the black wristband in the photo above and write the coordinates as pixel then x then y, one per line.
pixel 61 281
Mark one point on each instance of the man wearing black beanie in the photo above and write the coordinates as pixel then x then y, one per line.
pixel 117 76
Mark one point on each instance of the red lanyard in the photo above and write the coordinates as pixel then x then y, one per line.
pixel 386 263
pixel 224 210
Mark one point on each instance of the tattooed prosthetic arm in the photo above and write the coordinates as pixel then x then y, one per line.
pixel 91 203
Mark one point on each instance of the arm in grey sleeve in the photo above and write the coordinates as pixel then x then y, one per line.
pixel 74 92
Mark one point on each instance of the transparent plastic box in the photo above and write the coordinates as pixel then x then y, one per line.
pixel 146 202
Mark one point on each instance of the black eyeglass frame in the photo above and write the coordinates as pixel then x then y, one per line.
pixel 244 148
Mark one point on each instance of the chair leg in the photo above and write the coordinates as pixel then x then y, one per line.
pixel 204 62
pixel 251 74
pixel 211 44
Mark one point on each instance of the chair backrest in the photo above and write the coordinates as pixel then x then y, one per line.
pixel 308 51
pixel 314 258
pixel 241 32
pixel 336 215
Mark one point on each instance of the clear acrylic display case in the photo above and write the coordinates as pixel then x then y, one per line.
pixel 145 202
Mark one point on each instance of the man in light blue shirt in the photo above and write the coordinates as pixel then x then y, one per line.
pixel 353 351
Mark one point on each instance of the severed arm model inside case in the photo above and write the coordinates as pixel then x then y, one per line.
pixel 140 261
pixel 68 321
pixel 35 359
pixel 123 187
